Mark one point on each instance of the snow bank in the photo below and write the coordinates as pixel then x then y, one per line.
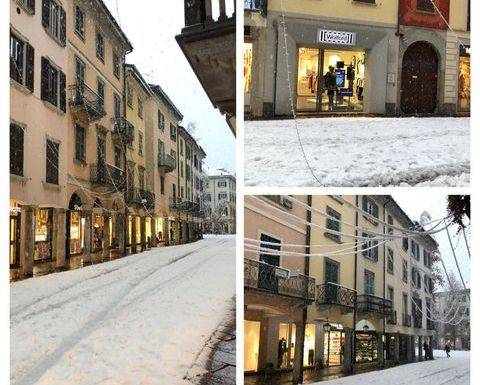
pixel 359 152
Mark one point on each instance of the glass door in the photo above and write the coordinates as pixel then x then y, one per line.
pixel 333 347
pixel 307 79
pixel 14 240
pixel 252 345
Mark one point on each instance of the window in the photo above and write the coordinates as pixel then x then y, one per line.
pixel 140 108
pixel 79 72
pixel 53 85
pixel 52 162
pixel 390 264
pixel 79 22
pixel 162 185
pixel 222 183
pixel 405 271
pixel 333 224
pixel 369 282
pixel 208 198
pixel 116 65
pixel 80 143
pixel 28 5
pixel 16 149
pixel 43 234
pixel 182 192
pixel 117 105
pixel 390 222
pixel 118 157
pixel 195 161
pixel 173 132
pixel 181 147
pixel 140 143
pixel 222 196
pixel 141 177
pixel 173 153
pixel 101 93
pixel 54 20
pixel 427 259
pixel 129 96
pixel 415 250
pixel 425 6
pixel 405 244
pixel 188 173
pixel 365 1
pixel 188 152
pixel 161 121
pixel 100 43
pixel 22 58
pixel 369 206
pixel 370 248
pixel 416 278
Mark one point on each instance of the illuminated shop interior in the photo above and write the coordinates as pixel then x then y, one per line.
pixel 464 83
pixel 251 345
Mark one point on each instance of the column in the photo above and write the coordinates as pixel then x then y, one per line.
pixel 348 351
pixel 420 348
pixel 176 227
pixel 430 347
pixel 319 344
pixel 380 350
pixel 143 233
pixel 120 231
pixel 134 235
pixel 153 227
pixel 87 258
pixel 396 350
pixel 60 235
pixel 223 13
pixel 297 377
pixel 412 347
pixel 27 240
pixel 208 11
pixel 166 231
pixel 409 348
pixel 106 236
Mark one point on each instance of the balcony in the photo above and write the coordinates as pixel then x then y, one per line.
pixel 186 206
pixel 141 198
pixel 392 318
pixel 108 175
pixel 123 131
pixel 209 46
pixel 374 305
pixel 407 320
pixel 417 321
pixel 261 276
pixel 86 105
pixel 166 163
pixel 331 294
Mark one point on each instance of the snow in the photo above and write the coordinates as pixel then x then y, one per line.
pixel 139 320
pixel 351 152
pixel 441 371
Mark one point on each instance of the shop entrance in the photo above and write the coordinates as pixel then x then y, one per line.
pixel 334 339
pixel 419 79
pixel 464 79
pixel 330 80
pixel 252 345
pixel 15 240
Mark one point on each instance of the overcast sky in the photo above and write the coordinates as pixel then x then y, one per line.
pixel 151 26
pixel 436 205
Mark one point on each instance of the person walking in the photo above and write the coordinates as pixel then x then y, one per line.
pixel 447 349
pixel 330 84
pixel 425 350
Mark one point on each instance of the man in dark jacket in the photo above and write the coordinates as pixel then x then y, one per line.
pixel 426 350
pixel 331 85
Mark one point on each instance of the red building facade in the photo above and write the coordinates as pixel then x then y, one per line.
pixel 423 13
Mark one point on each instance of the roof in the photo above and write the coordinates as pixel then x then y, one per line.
pixel 164 97
pixel 222 176
pixel 115 24
pixel 131 68
pixel 191 139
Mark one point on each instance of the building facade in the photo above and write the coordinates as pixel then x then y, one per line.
pixel 372 299
pixel 387 58
pixel 220 199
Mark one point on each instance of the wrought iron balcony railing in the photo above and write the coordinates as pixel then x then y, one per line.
pixel 371 304
pixel 123 130
pixel 185 206
pixel 106 174
pixel 141 198
pixel 261 276
pixel 256 5
pixel 407 320
pixel 85 103
pixel 333 294
pixel 392 318
pixel 166 163
pixel 430 325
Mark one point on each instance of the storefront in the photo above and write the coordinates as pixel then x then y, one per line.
pixel 138 232
pixel 148 231
pixel 464 81
pixel 366 347
pixel 247 74
pixel 251 340
pixel 98 226
pixel 333 342
pixel 14 250
pixel 43 235
pixel 77 231
pixel 286 345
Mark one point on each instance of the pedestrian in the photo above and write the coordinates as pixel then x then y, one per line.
pixel 330 84
pixel 447 349
pixel 425 350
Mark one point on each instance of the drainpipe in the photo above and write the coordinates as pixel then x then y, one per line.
pixel 384 275
pixel 275 72
pixel 124 97
pixel 352 358
pixel 398 33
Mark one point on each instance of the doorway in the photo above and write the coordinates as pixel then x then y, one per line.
pixel 334 340
pixel 419 79
pixel 267 278
pixel 252 345
pixel 330 80
pixel 15 240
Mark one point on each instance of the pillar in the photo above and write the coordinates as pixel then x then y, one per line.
pixel 60 235
pixel 166 231
pixel 120 231
pixel 409 348
pixel 297 377
pixel 27 240
pixel 133 248
pixel 380 350
pixel 396 349
pixel 348 351
pixel 176 226
pixel 106 236
pixel 430 347
pixel 420 348
pixel 87 258
pixel 153 227
pixel 143 233
pixel 319 344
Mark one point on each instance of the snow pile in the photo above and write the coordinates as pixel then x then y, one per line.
pixel 454 370
pixel 142 319
pixel 359 152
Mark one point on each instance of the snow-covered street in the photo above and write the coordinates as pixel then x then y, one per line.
pixel 442 371
pixel 139 320
pixel 359 152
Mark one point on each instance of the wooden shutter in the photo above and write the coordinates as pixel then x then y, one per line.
pixel 16 149
pixel 63 26
pixel 46 13
pixel 31 6
pixel 52 162
pixel 45 91
pixel 63 91
pixel 29 66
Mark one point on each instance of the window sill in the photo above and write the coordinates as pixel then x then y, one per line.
pixel 332 237
pixel 53 107
pixel 20 87
pixel 55 38
pixel 52 186
pixel 78 162
pixel 375 4
pixel 19 178
pixel 370 220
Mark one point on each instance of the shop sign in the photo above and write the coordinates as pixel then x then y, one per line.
pixel 281 272
pixel 337 37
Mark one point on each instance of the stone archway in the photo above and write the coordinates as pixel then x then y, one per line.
pixel 420 67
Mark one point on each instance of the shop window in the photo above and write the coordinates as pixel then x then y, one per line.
pixel 14 252
pixel 98 225
pixel 79 22
pixel 252 345
pixel 334 339
pixel 138 230
pixel 16 149
pixel 77 230
pixel 247 67
pixel 333 224
pixel 366 347
pixel 100 47
pixel 43 234
pixel 52 162
pixel 464 80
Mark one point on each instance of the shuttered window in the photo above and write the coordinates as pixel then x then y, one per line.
pixel 53 85
pixel 369 282
pixel 390 262
pixel 140 143
pixel 79 22
pixel 16 149
pixel 100 47
pixel 28 5
pixel 54 20
pixel 173 132
pixel 405 271
pixel 369 206
pixel 161 121
pixel 116 65
pixel 52 162
pixel 333 223
pixel 117 105
pixel 80 143
pixel 101 93
pixel 22 59
pixel 370 248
